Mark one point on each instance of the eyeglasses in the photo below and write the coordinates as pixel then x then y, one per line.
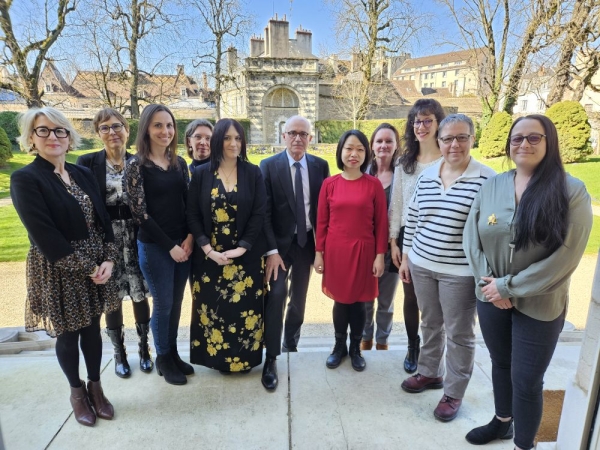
pixel 295 134
pixel 462 138
pixel 533 139
pixel 426 123
pixel 44 132
pixel 199 137
pixel 105 129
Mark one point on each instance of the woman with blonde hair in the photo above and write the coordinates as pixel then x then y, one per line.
pixel 72 253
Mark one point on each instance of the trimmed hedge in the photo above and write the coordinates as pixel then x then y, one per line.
pixel 5 147
pixel 8 122
pixel 574 130
pixel 330 131
pixel 495 134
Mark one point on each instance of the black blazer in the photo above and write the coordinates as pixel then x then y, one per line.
pixel 52 216
pixel 96 162
pixel 250 215
pixel 280 223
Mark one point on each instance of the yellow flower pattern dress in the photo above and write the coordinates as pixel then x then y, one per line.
pixel 227 314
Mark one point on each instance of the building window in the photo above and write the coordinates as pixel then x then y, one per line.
pixel 443 84
pixel 425 76
pixel 444 74
pixel 402 78
pixel 523 105
pixel 541 105
pixel 183 92
pixel 445 65
pixel 431 66
pixel 412 77
pixel 456 72
pixel 458 63
pixel 48 88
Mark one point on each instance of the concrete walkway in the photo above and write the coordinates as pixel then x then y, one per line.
pixel 313 408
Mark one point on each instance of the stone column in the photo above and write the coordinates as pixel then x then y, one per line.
pixel 582 390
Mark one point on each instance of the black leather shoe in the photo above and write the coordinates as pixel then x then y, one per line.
pixel 412 355
pixel 340 350
pixel 290 349
pixel 122 369
pixel 496 429
pixel 356 358
pixel 146 363
pixel 269 376
pixel 183 367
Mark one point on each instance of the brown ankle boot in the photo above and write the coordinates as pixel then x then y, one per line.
pixel 82 410
pixel 104 409
pixel 379 346
pixel 366 345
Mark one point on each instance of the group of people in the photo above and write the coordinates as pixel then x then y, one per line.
pixel 417 209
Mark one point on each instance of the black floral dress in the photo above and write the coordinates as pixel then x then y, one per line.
pixel 227 314
pixel 126 272
pixel 61 296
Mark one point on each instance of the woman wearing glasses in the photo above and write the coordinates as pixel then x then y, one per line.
pixel 433 258
pixel 70 260
pixel 524 237
pixel 156 182
pixel 421 150
pixel 107 166
pixel 197 142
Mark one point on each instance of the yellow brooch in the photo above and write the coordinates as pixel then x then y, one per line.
pixel 492 220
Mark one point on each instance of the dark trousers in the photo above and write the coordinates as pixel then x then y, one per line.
pixel 67 352
pixel 166 280
pixel 521 349
pixel 298 262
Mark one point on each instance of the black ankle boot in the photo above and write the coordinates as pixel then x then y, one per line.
pixel 269 377
pixel 166 367
pixel 412 356
pixel 146 363
pixel 358 362
pixel 183 367
pixel 122 369
pixel 496 429
pixel 340 350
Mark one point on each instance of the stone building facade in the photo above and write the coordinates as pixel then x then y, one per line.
pixel 279 79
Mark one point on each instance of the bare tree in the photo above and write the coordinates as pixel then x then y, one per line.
pixel 27 55
pixel 226 21
pixel 374 29
pixel 137 19
pixel 580 32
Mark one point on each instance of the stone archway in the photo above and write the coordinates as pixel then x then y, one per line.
pixel 278 105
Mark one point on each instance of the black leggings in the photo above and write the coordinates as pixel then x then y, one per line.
pixel 141 312
pixel 410 307
pixel 91 347
pixel 353 314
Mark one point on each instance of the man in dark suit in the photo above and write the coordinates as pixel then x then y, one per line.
pixel 289 227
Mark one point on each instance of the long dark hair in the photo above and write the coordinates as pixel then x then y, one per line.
pixel 218 138
pixel 424 106
pixel 543 212
pixel 142 141
pixel 384 126
pixel 363 140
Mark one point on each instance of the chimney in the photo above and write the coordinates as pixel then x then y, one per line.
pixel 204 82
pixel 180 71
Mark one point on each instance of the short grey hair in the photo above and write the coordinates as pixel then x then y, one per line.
pixel 287 122
pixel 27 120
pixel 457 118
pixel 189 130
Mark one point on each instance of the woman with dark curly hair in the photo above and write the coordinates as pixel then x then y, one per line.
pixel 421 150
pixel 524 237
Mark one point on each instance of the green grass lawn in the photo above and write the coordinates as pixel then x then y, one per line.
pixel 14 243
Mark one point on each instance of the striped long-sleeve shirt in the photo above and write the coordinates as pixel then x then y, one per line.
pixel 433 237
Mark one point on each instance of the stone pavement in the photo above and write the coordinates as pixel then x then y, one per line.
pixel 313 408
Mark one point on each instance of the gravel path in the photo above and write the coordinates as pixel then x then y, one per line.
pixel 318 311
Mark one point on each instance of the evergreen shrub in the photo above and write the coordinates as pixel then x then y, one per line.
pixel 495 134
pixel 5 147
pixel 574 130
pixel 8 122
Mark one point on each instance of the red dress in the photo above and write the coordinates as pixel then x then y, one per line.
pixel 352 228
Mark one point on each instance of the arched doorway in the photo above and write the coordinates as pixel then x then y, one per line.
pixel 278 105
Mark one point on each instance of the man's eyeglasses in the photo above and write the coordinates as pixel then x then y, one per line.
pixel 44 132
pixel 295 134
pixel 462 138
pixel 426 123
pixel 533 139
pixel 105 129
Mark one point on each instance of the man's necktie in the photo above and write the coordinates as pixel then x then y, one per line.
pixel 300 212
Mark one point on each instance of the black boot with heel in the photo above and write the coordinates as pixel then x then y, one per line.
pixel 146 363
pixel 412 356
pixel 122 369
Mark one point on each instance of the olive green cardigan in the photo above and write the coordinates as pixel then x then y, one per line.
pixel 537 280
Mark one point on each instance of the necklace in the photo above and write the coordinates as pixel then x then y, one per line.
pixel 230 173
pixel 116 167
